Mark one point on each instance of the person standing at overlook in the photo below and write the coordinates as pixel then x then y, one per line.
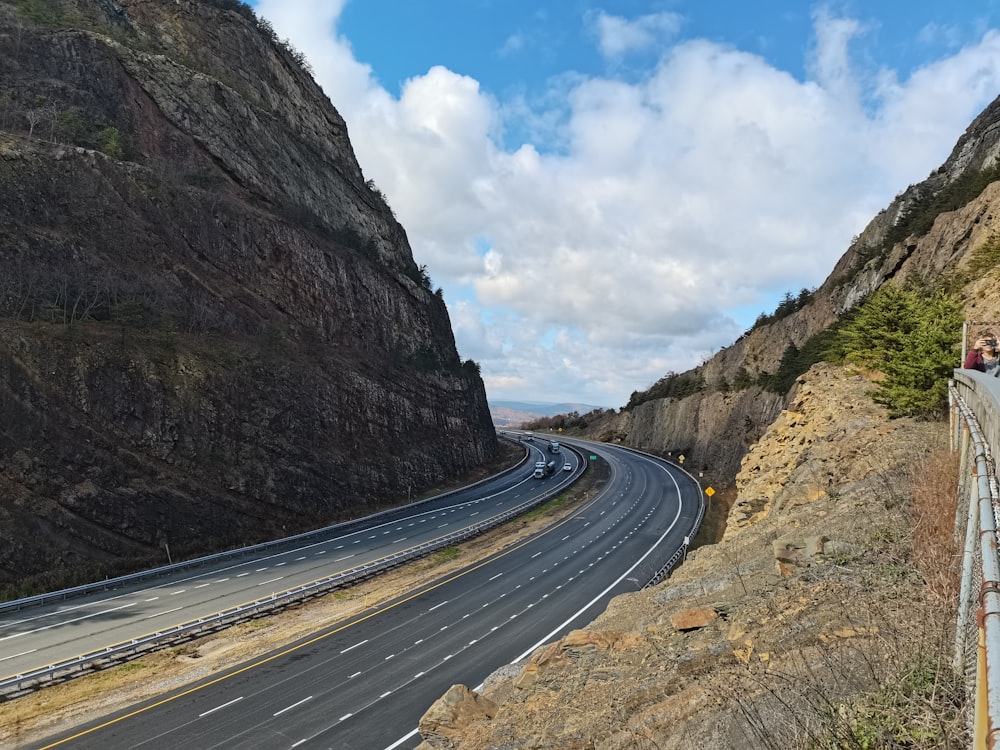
pixel 984 355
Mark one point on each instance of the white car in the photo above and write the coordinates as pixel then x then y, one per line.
pixel 567 467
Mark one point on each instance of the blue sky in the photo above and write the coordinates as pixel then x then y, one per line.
pixel 608 191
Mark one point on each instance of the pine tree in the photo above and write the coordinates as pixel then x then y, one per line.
pixel 910 336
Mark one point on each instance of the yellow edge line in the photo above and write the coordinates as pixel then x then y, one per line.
pixel 311 641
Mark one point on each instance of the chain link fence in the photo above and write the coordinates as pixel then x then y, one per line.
pixel 975 427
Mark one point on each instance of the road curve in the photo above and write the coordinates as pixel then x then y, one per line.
pixel 364 683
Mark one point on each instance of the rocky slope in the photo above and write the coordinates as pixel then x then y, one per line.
pixel 212 329
pixel 768 638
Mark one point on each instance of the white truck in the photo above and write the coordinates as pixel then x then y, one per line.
pixel 543 469
pixel 553 447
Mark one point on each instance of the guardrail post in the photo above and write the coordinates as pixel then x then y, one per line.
pixel 965 493
pixel 952 417
pixel 990 615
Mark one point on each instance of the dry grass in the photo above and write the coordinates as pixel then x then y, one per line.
pixel 935 502
pixel 893 685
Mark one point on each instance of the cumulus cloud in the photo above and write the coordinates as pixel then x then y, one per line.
pixel 631 237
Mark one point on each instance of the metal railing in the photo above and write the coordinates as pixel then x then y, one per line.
pixel 340 528
pixel 17 684
pixel 974 399
pixel 681 553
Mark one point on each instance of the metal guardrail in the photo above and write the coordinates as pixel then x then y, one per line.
pixel 18 684
pixel 975 426
pixel 120 581
pixel 681 553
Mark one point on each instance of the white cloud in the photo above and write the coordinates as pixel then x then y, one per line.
pixel 512 45
pixel 831 60
pixel 619 36
pixel 606 253
pixel 935 33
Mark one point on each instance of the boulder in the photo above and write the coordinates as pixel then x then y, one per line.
pixel 442 725
pixel 693 619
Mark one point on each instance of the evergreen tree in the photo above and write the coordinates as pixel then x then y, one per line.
pixel 910 336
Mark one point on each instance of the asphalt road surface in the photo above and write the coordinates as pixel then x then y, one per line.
pixel 365 683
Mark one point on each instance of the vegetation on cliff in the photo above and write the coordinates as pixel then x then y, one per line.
pixel 911 336
pixel 212 328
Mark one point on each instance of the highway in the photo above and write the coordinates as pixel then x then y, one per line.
pixel 43 635
pixel 364 683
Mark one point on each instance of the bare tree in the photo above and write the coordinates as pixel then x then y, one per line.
pixel 33 116
pixel 52 112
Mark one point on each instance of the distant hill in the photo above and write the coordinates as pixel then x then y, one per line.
pixel 515 413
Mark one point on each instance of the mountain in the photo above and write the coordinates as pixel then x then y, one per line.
pixel 212 329
pixel 516 413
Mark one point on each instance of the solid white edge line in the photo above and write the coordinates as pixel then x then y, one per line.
pixel 403 739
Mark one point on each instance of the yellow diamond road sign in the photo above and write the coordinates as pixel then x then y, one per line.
pixel 709 491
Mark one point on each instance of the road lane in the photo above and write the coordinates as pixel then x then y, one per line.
pixel 364 683
pixel 30 639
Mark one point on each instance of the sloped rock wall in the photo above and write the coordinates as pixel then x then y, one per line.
pixel 212 329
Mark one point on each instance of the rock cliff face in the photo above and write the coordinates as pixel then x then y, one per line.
pixel 712 430
pixel 212 329
pixel 716 426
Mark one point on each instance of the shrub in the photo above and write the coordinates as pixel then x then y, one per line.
pixel 909 335
pixel 109 141
pixel 44 12
pixel 789 304
pixel 981 262
pixel 671 385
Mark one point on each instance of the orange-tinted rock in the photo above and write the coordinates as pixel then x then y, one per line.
pixel 692 619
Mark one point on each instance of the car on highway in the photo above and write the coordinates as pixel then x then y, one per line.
pixel 567 467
